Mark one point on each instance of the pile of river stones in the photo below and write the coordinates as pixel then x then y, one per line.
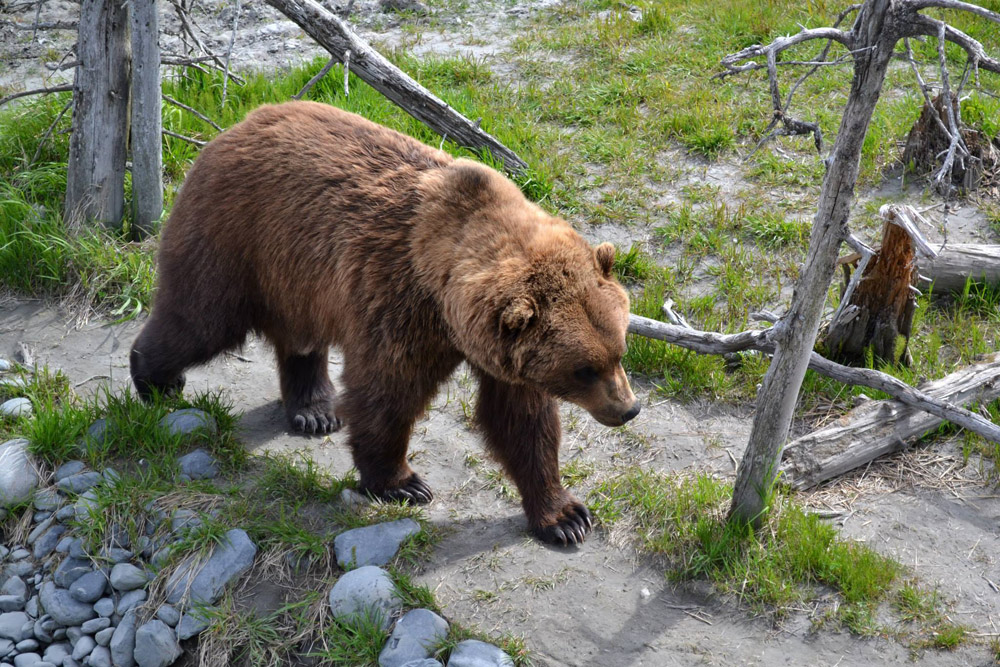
pixel 63 605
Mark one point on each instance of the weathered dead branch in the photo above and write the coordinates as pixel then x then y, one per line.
pixel 877 428
pixel 336 36
pixel 958 264
pixel 35 91
pixel 707 342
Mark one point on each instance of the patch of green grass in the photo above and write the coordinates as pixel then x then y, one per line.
pixel 683 520
pixel 355 644
pixel 633 265
pixel 297 478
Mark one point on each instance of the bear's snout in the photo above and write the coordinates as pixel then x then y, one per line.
pixel 632 412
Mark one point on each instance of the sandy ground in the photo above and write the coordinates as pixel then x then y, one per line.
pixel 599 604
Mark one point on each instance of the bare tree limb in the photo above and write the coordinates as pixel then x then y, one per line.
pixel 192 111
pixel 229 51
pixel 313 81
pixel 925 25
pixel 956 5
pixel 190 140
pixel 48 133
pixel 707 342
pixel 49 25
pixel 36 91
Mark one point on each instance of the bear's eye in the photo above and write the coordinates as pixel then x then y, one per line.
pixel 585 375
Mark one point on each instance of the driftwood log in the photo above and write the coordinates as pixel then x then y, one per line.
pixel 956 264
pixel 334 35
pixel 707 342
pixel 146 130
pixel 877 428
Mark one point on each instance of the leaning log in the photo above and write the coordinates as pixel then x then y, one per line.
pixel 957 264
pixel 877 428
pixel 334 35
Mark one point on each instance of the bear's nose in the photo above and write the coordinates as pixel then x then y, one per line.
pixel 632 412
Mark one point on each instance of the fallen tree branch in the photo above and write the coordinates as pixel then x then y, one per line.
pixel 335 36
pixel 194 112
pixel 190 140
pixel 707 342
pixel 957 264
pixel 313 81
pixel 36 91
pixel 877 428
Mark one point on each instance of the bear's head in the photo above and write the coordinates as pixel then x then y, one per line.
pixel 553 317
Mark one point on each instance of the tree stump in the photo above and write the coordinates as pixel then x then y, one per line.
pixel 880 308
pixel 927 141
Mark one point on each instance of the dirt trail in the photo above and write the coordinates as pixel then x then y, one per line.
pixel 597 604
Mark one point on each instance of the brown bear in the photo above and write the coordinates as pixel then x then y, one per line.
pixel 314 227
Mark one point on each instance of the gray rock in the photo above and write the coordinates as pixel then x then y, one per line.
pixel 100 657
pixel 37 531
pixel 21 568
pixel 74 634
pixel 69 570
pixel 46 544
pixel 83 647
pixel 156 645
pixel 40 516
pixel 199 464
pixel 4 366
pixel 27 660
pixel 69 469
pixel 97 432
pixel 130 600
pixel 26 645
pixel 47 499
pixel 366 591
pixel 230 559
pixel 373 545
pixel 13 383
pixel 111 476
pixel 183 520
pixel 31 606
pixel 118 555
pixel 104 607
pixel 62 607
pixel 11 603
pixel 14 586
pixel 188 421
pixel 95 625
pixel 66 513
pixel 77 550
pixel 426 662
pixel 86 506
pixel 192 623
pixel 123 642
pixel 474 653
pixel 18 475
pixel 43 629
pixel 80 482
pixel 90 587
pixel 127 577
pixel 103 638
pixel 168 614
pixel 415 637
pixel 414 6
pixel 16 407
pixel 12 626
pixel 18 554
pixel 70 662
pixel 56 653
pixel 353 500
pixel 6 647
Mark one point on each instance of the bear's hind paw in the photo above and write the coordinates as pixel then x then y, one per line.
pixel 571 527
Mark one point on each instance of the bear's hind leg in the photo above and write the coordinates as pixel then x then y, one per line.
pixel 309 397
pixel 521 427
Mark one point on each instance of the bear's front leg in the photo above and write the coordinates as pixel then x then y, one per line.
pixel 309 398
pixel 521 428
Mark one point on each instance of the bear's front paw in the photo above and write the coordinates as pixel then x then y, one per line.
pixel 570 526
pixel 316 420
pixel 411 490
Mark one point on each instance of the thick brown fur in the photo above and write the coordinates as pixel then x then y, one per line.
pixel 315 227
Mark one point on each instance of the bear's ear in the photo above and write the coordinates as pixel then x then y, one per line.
pixel 605 258
pixel 518 314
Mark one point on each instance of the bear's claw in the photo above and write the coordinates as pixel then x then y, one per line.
pixel 571 528
pixel 306 422
pixel 412 490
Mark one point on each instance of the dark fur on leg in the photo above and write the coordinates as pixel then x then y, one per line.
pixel 521 428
